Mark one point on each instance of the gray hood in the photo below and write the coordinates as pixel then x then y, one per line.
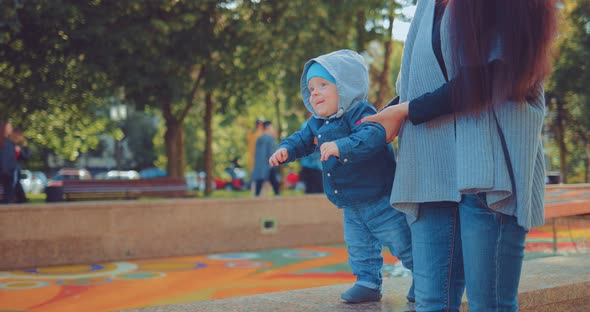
pixel 352 79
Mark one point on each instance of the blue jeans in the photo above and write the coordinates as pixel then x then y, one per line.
pixel 7 184
pixel 466 245
pixel 274 181
pixel 366 230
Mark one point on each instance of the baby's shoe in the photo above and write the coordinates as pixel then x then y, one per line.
pixel 358 294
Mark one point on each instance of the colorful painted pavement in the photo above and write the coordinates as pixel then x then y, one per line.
pixel 141 283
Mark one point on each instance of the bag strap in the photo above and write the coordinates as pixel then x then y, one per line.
pixel 506 154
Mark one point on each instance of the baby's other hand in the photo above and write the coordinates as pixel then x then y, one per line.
pixel 329 149
pixel 278 157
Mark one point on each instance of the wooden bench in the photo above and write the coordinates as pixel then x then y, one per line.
pixel 117 189
pixel 566 200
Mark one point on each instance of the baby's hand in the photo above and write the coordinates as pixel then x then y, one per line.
pixel 329 149
pixel 278 157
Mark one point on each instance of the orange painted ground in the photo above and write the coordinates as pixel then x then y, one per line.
pixel 141 283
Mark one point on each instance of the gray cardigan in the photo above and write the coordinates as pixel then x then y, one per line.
pixel 461 154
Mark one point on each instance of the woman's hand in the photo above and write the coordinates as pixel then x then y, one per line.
pixel 391 118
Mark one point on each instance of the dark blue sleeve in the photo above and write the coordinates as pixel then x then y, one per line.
pixel 428 106
pixel 438 102
pixel 365 140
pixel 300 143
pixel 431 105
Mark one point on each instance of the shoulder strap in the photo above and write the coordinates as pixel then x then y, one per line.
pixel 506 154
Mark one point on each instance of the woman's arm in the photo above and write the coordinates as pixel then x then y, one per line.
pixel 421 109
pixel 391 118
pixel 431 105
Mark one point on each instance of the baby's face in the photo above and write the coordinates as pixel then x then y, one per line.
pixel 324 96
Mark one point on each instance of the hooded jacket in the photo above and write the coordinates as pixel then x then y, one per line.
pixel 364 171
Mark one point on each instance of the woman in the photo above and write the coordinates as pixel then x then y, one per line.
pixel 7 162
pixel 470 173
pixel 22 152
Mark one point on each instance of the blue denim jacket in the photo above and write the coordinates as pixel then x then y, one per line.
pixel 364 171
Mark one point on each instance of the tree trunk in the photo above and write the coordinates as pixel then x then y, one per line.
pixel 174 138
pixel 361 23
pixel 278 133
pixel 560 136
pixel 384 89
pixel 208 143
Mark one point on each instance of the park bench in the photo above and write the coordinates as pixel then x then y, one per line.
pixel 117 189
pixel 566 200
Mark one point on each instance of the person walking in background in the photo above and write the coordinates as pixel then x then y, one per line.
pixel 357 164
pixel 8 163
pixel 262 172
pixel 470 162
pixel 311 170
pixel 22 153
pixel 251 144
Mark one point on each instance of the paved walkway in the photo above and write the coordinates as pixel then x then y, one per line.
pixel 560 283
pixel 157 282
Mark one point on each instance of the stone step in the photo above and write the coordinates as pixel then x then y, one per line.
pixel 547 285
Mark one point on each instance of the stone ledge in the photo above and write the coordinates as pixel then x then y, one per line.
pixel 40 235
pixel 547 285
pixel 66 233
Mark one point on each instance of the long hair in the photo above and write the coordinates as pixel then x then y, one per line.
pixel 525 28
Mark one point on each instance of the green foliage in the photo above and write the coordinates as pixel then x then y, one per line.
pixel 44 85
pixel 288 33
pixel 68 132
pixel 375 54
pixel 569 84
pixel 40 60
pixel 572 67
pixel 60 60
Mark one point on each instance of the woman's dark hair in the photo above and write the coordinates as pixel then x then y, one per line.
pixel 525 30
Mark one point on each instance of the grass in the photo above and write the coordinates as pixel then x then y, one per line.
pixel 246 194
pixel 36 198
pixel 40 198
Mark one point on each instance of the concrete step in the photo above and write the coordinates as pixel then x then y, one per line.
pixel 547 285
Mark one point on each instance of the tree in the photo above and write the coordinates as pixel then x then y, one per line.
pixel 156 51
pixel 383 50
pixel 44 86
pixel 174 56
pixel 568 83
